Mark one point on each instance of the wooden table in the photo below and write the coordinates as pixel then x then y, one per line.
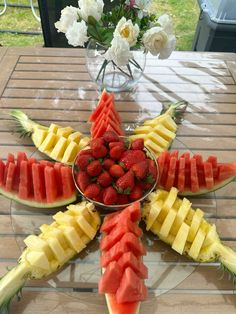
pixel 53 85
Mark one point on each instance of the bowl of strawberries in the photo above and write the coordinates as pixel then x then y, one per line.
pixel 114 171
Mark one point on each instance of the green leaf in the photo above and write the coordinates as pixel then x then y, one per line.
pixel 149 178
pixel 92 20
pixel 127 191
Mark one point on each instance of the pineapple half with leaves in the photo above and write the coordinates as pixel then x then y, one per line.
pixel 158 133
pixel 59 143
pixel 57 243
pixel 185 229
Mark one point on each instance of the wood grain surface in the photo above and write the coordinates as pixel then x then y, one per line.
pixel 52 84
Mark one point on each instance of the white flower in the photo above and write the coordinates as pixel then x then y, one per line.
pixel 142 4
pixel 68 16
pixel 119 51
pixel 92 8
pixel 157 41
pixel 127 30
pixel 77 34
pixel 166 23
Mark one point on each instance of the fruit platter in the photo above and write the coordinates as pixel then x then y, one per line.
pixel 109 196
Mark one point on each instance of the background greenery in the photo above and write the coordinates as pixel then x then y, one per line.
pixel 184 13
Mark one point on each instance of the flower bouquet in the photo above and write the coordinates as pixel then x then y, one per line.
pixel 117 41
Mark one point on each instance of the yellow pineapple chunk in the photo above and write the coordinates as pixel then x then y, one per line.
pixel 57 249
pixel 154 212
pixel 169 123
pixel 168 203
pixel 59 149
pixel 143 130
pixel 158 140
pixel 39 136
pixel 210 237
pixel 181 238
pixel 136 136
pixel 35 243
pixel 73 238
pixel 53 128
pixel 197 244
pixel 168 222
pixel 65 132
pixel 181 215
pixel 153 146
pixel 195 224
pixel 86 227
pixel 38 259
pixel 164 132
pixel 48 143
pixel 75 137
pixel 70 153
pixel 84 142
pixel 57 233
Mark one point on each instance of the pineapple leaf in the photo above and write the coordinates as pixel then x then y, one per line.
pixel 225 270
pixel 176 110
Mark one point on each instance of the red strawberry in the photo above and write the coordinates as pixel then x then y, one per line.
pixel 116 171
pixel 152 171
pixel 122 199
pixel 138 144
pixel 140 169
pixel 116 152
pixel 125 183
pixel 85 152
pixel 96 142
pixel 94 168
pixel 145 185
pixel 113 144
pixel 99 152
pixel 136 193
pixel 110 196
pixel 107 163
pixel 104 179
pixel 99 197
pixel 83 180
pixel 83 161
pixel 110 136
pixel 92 191
pixel 131 157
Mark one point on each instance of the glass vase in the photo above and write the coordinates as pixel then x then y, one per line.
pixel 107 74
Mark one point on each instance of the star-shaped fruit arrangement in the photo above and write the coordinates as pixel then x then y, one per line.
pixel 134 177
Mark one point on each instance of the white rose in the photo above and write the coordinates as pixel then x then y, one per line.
pixel 77 34
pixel 68 16
pixel 166 23
pixel 92 8
pixel 127 30
pixel 119 51
pixel 155 39
pixel 169 47
pixel 142 4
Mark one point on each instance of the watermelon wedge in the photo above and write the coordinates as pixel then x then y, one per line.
pixel 193 175
pixel 105 117
pixel 35 183
pixel 123 271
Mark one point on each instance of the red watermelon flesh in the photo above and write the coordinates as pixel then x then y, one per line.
pixel 193 176
pixel 38 184
pixel 106 285
pixel 102 100
pixel 131 289
pixel 130 260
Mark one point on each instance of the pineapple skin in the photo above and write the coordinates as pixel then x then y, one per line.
pixel 176 223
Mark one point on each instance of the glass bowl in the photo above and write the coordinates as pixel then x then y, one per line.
pixel 75 171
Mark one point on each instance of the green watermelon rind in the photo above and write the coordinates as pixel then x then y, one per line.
pixel 59 203
pixel 205 191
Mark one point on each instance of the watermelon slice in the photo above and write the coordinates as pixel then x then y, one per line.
pixel 105 117
pixel 193 176
pixel 36 183
pixel 123 271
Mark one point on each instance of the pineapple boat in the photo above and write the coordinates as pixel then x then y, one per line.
pixel 51 249
pixel 185 229
pixel 59 143
pixel 159 132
